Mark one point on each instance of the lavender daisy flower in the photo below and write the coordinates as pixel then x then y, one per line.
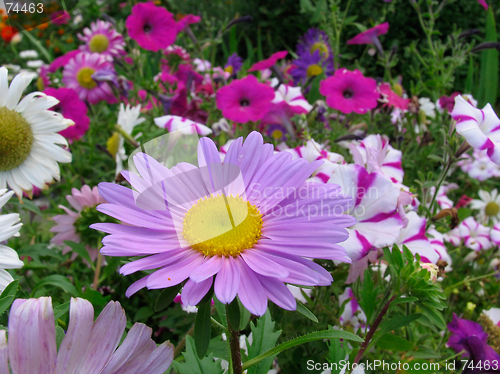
pixel 88 347
pixel 234 64
pixel 315 56
pixel 251 222
pixel 102 38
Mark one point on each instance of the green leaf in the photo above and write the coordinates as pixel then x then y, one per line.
pixel 58 281
pixel 434 316
pixel 314 94
pixel 337 352
pixel 393 342
pixel 488 78
pixel 264 339
pixel 221 311
pixel 318 335
pixel 166 297
pixel 368 295
pixel 302 309
pixel 143 314
pixel 81 250
pixel 8 295
pixel 202 329
pixel 245 316
pixel 61 310
pixel 60 334
pixel 395 323
pixel 193 365
pixel 233 314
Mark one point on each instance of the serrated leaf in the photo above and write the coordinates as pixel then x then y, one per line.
pixel 193 365
pixel 395 323
pixel 8 295
pixel 245 316
pixel 166 297
pixel 58 281
pixel 81 250
pixel 318 335
pixel 302 309
pixel 368 295
pixel 202 329
pixel 337 353
pixel 264 338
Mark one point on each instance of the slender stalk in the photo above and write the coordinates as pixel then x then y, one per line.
pixel 373 329
pixel 234 344
pixel 98 265
pixel 470 280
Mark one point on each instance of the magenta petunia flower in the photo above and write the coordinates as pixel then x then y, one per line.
pixel 245 99
pixel 392 98
pixel 77 75
pixel 350 91
pixel 68 225
pixel 251 221
pixel 151 26
pixel 87 347
pixel 102 38
pixel 60 17
pixel 269 62
pixel 483 3
pixel 71 107
pixel 370 36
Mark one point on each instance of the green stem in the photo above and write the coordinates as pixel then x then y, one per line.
pixel 98 266
pixel 234 344
pixel 470 280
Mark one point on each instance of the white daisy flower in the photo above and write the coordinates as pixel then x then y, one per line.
pixel 28 54
pixel 29 150
pixel 427 106
pixel 128 118
pixel 488 206
pixel 9 227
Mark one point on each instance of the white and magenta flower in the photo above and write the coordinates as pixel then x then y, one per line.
pixel 9 227
pixel 68 226
pixel 475 235
pixel 78 75
pixel 87 347
pixel 376 154
pixel 102 38
pixel 375 209
pixel 437 243
pixel 479 166
pixel 413 236
pixel 480 128
pixel 184 125
pixel 241 221
pixel 495 234
pixel 442 198
pixel 353 314
pixel 292 96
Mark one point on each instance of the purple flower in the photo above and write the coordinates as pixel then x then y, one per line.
pixel 234 64
pixel 88 347
pixel 315 56
pixel 470 337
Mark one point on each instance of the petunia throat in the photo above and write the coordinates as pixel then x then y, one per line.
pixel 222 225
pixel 16 140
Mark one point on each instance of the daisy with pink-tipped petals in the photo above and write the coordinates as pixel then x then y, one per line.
pixel 87 347
pixel 102 38
pixel 184 125
pixel 70 226
pixel 375 209
pixel 474 235
pixel 245 100
pixel 240 225
pixel 350 91
pixel 480 128
pixel 78 75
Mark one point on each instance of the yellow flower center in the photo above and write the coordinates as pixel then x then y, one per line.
pixel 314 70
pixel 84 78
pixel 229 69
pixel 321 47
pixel 113 143
pixel 222 225
pixel 16 139
pixel 491 209
pixel 98 43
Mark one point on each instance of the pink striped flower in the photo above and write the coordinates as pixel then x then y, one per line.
pixel 375 153
pixel 292 96
pixel 375 209
pixel 413 236
pixel 178 219
pixel 480 128
pixel 475 235
pixel 437 243
pixel 184 125
pixel 495 234
pixel 353 314
pixel 88 346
